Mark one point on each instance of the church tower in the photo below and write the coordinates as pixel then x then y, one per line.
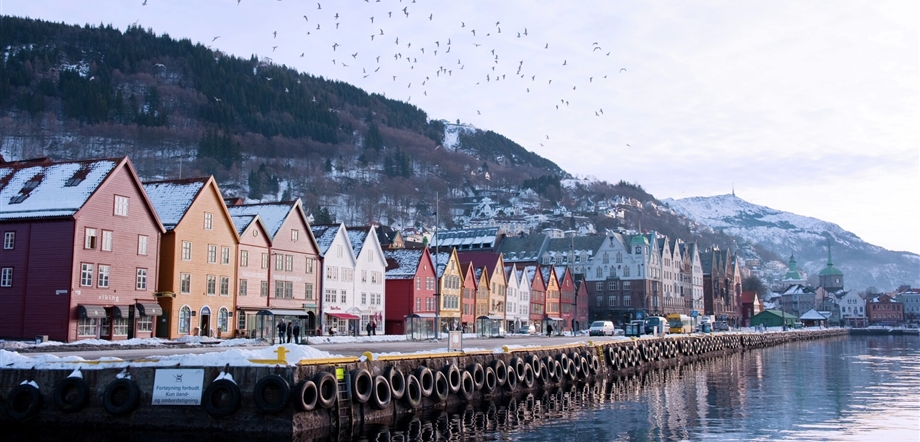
pixel 830 277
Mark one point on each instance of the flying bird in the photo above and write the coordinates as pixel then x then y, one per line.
pixel 565 62
pixel 274 47
pixel 622 69
pixel 215 38
pixel 372 19
pixel 319 6
pixel 355 55
pixel 478 113
pixel 336 16
pixel 275 34
pixel 305 18
pixel 334 45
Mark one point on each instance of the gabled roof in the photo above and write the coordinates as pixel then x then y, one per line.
pixel 484 237
pixel 813 315
pixel 522 249
pixel 241 222
pixel 357 235
pixel 481 259
pixel 272 214
pixel 325 234
pixel 580 244
pixel 172 198
pixel 403 263
pixel 49 190
pixel 777 313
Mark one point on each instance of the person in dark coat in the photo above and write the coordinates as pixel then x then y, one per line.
pixel 290 332
pixel 297 332
pixel 374 328
pixel 368 327
pixel 549 330
pixel 282 330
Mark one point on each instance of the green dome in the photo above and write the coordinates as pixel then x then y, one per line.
pixel 638 240
pixel 830 270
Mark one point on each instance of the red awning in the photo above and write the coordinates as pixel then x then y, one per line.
pixel 343 316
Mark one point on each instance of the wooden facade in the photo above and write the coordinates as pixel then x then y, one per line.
pixel 80 248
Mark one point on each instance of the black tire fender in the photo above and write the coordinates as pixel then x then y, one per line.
pixel 491 381
pixel 534 363
pixel 305 395
pixel 413 397
pixel 518 364
pixel 271 393
pixel 572 372
pixel 362 385
pixel 121 396
pixel 441 386
pixel 221 398
pixel 425 380
pixel 71 394
pixel 397 382
pixel 544 373
pixel 467 386
pixel 478 374
pixel 529 377
pixel 501 372
pixel 23 402
pixel 452 372
pixel 326 389
pixel 512 382
pixel 382 393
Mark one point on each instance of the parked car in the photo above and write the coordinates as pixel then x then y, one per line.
pixel 720 326
pixel 602 328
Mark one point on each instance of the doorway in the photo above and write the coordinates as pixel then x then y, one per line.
pixel 205 322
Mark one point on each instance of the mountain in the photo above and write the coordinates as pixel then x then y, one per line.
pixel 864 265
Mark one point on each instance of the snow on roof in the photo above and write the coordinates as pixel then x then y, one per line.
pixel 172 199
pixel 813 315
pixel 49 190
pixel 241 222
pixel 357 235
pixel 404 263
pixel 325 235
pixel 272 214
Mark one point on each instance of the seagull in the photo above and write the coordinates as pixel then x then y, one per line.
pixel 596 48
pixel 547 137
pixel 216 99
pixel 602 112
pixel 627 145
pixel 305 18
pixel 268 78
pixel 430 17
pixel 474 32
pixel 274 47
pixel 594 44
pixel 215 38
pixel 547 46
pixel 381 32
pixel 160 65
pixel 596 114
pixel 525 31
pixel 622 69
pixel 275 34
pixel 319 6
pixel 336 16
pixel 355 55
pixel 478 113
pixel 334 45
pixel 590 79
pixel 565 62
pixel 372 19
pixel 336 25
pixel 301 54
pixel 145 3
pixel 286 90
pixel 462 24
pixel 317 26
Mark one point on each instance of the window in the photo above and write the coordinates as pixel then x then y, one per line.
pixel 185 283
pixel 418 304
pixel 224 286
pixel 120 327
pixel 329 296
pixel 86 275
pixel 185 319
pixel 612 301
pixel 142 244
pixel 279 261
pixel 6 277
pixel 212 253
pixel 344 296
pixel 265 260
pixel 208 221
pixel 600 272
pixel 309 265
pixel 107 240
pixel 612 285
pixel 223 320
pixel 338 251
pixel 243 287
pixel 212 285
pixel 225 255
pixel 104 272
pixel 627 300
pixel 429 283
pixel 186 250
pixel 89 241
pixel 279 289
pixel 145 323
pixel 9 240
pixel 289 263
pixel 363 298
pixel 418 282
pixel 308 290
pixel 244 258
pixel 288 289
pixel 121 205
pixel 88 327
pixel 295 234
pixel 263 289
pixel 363 275
pixel 599 287
pixel 141 279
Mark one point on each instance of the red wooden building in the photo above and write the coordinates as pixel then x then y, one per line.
pixel 411 284
pixel 566 297
pixel 80 251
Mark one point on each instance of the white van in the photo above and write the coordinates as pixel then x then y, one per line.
pixel 602 328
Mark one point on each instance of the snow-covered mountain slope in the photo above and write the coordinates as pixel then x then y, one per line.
pixel 784 233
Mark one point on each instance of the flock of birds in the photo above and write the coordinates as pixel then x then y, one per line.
pixel 462 55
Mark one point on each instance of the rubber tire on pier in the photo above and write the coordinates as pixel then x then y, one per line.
pixel 572 372
pixel 467 386
pixel 71 394
pixel 491 382
pixel 397 382
pixel 562 363
pixel 518 364
pixel 121 396
pixel 478 374
pixel 23 402
pixel 501 372
pixel 583 366
pixel 453 377
pixel 221 398
pixel 528 378
pixel 534 363
pixel 271 393
pixel 326 389
pixel 512 382
pixel 595 364
pixel 382 393
pixel 362 385
pixel 413 397
pixel 544 373
pixel 425 380
pixel 441 386
pixel 305 395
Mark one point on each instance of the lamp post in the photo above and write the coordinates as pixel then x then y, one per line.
pixel 437 276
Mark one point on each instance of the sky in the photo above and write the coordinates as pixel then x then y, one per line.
pixel 807 107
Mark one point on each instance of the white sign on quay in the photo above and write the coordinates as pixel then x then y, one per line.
pixel 178 386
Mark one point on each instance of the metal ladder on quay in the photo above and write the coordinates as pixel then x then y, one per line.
pixel 345 413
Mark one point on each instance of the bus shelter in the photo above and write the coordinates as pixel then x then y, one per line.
pixel 267 323
pixel 420 326
pixel 489 326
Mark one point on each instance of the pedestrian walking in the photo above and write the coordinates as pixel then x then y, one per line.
pixel 282 331
pixel 368 327
pixel 297 332
pixel 374 328
pixel 549 330
pixel 290 332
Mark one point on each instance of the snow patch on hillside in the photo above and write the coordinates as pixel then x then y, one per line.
pixel 452 134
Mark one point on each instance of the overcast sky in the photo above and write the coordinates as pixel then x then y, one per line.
pixel 809 107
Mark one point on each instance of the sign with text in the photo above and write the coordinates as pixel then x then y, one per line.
pixel 178 386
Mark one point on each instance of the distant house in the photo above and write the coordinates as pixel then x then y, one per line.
pixel 338 285
pixel 198 258
pixel 468 299
pixel 798 299
pixel 79 256
pixel 370 266
pixel 750 306
pixel 884 310
pixel 534 275
pixel 773 318
pixel 566 297
pixel 582 320
pixel 814 318
pixel 450 276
